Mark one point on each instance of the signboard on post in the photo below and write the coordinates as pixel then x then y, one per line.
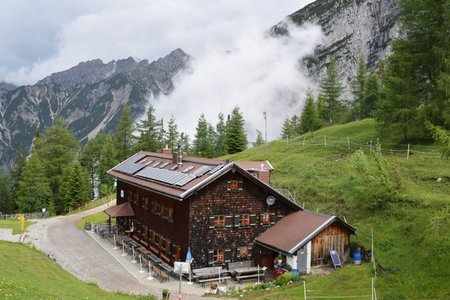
pixel 335 258
pixel 180 265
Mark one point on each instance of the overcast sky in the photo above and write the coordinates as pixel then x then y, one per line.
pixel 39 37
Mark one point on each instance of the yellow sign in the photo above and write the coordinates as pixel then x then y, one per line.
pixel 21 219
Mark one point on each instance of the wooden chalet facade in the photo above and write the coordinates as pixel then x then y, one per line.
pixel 217 208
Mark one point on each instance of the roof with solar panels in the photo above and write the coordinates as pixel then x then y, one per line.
pixel 179 176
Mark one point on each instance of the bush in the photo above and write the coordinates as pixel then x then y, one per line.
pixel 286 278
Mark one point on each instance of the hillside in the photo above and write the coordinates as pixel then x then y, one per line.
pixel 412 235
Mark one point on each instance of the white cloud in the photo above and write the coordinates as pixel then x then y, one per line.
pixel 256 72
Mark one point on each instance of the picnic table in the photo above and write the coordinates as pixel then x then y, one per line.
pixel 154 258
pixel 166 267
pixel 249 272
pixel 204 275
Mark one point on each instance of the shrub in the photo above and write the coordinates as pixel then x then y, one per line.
pixel 285 278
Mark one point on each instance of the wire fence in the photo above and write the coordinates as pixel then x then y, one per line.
pixel 404 150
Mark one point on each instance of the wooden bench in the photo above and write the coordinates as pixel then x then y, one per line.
pixel 240 264
pixel 211 279
pixel 261 275
pixel 161 273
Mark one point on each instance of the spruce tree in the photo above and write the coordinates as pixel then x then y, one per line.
pixel 18 166
pixel 56 152
pixel 259 138
pixel 123 137
pixel 321 111
pixel 204 138
pixel 371 95
pixel 236 137
pixel 184 142
pixel 172 134
pixel 417 78
pixel 221 131
pixel 150 131
pixel 34 192
pixel 287 131
pixel 331 90
pixel 295 123
pixel 75 187
pixel 309 119
pixel 7 205
pixel 358 88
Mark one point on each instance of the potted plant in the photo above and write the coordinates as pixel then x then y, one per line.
pixel 244 255
pixel 87 225
pixel 165 294
pixel 243 224
pixel 219 260
pixel 219 225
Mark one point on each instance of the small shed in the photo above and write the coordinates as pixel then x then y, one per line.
pixel 305 239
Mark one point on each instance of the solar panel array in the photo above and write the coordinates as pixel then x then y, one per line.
pixel 130 166
pixel 166 176
pixel 217 168
pixel 201 171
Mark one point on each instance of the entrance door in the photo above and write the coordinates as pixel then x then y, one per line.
pixel 266 258
pixel 302 259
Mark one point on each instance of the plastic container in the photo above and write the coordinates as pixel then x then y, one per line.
pixel 297 274
pixel 357 258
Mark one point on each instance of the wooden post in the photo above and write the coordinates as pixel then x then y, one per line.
pixel 372 289
pixel 325 140
pixel 407 153
pixel 370 147
pixel 304 290
pixel 348 142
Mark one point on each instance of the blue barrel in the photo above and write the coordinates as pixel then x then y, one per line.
pixel 357 258
pixel 297 274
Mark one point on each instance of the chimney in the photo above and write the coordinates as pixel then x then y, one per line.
pixel 264 176
pixel 167 150
pixel 177 157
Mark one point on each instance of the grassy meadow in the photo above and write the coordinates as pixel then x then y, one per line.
pixel 97 218
pixel 411 235
pixel 29 274
pixel 14 225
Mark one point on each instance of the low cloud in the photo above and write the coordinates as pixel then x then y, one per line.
pixel 257 72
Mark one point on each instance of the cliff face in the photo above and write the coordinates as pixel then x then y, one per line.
pixel 89 97
pixel 352 28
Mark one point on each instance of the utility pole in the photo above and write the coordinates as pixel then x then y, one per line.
pixel 265 121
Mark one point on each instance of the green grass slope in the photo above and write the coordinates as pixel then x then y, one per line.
pixel 28 274
pixel 14 225
pixel 413 235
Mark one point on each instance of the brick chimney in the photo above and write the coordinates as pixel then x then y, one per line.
pixel 166 150
pixel 263 175
pixel 177 157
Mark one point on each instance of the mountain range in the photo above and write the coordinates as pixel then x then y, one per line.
pixel 90 96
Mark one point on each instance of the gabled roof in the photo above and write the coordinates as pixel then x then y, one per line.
pixel 121 210
pixel 158 173
pixel 295 230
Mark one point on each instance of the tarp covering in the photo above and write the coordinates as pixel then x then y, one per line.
pixel 121 210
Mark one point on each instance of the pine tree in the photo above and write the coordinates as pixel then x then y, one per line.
pixel 221 131
pixel 75 187
pixel 57 151
pixel 184 142
pixel 172 134
pixel 18 166
pixel 371 95
pixel 150 133
pixel 123 137
pixel 417 78
pixel 321 111
pixel 295 123
pixel 106 162
pixel 309 119
pixel 236 137
pixel 259 138
pixel 34 192
pixel 331 90
pixel 7 205
pixel 358 88
pixel 287 131
pixel 204 138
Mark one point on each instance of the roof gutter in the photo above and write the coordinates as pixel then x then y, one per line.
pixel 312 234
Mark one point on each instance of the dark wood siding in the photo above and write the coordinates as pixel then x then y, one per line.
pixel 177 231
pixel 216 199
pixel 334 237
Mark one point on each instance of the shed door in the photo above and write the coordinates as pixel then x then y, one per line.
pixel 302 259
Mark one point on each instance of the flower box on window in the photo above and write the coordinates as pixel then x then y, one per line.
pixel 243 256
pixel 244 223
pixel 219 225
pixel 266 222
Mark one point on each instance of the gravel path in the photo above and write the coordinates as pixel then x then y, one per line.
pixel 92 259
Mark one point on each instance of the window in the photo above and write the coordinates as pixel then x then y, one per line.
pixel 265 219
pixel 157 239
pixel 129 196
pixel 219 221
pixel 162 210
pixel 136 198
pixel 153 208
pixel 245 220
pixel 170 214
pixel 157 208
pixel 122 193
pixel 144 202
pixel 176 252
pixel 162 245
pixel 234 185
pixel 219 256
pixel 151 235
pixel 244 252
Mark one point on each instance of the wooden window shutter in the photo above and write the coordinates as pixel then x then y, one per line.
pixel 227 256
pixel 210 257
pixel 238 252
pixel 211 222
pixel 272 218
pixel 237 219
pixel 228 221
pixel 253 219
pixel 250 249
pixel 261 218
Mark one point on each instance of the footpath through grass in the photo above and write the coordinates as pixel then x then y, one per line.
pixel 412 236
pixel 28 274
pixel 14 225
